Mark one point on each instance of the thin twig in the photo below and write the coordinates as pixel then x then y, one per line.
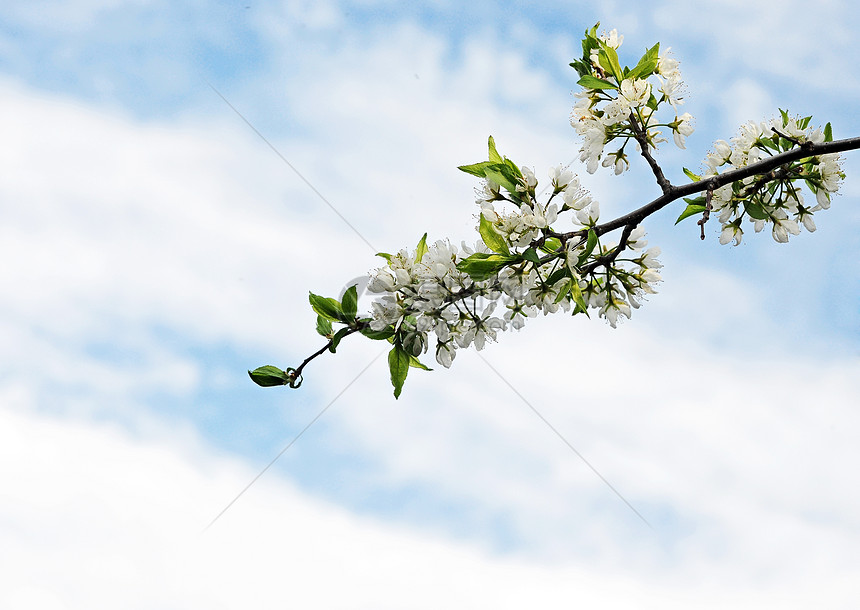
pixel 644 148
pixel 707 213
pixel 805 144
pixel 297 372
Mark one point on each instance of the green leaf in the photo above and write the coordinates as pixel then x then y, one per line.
pixel 421 249
pixel 784 117
pixel 582 67
pixel 551 245
pixel 647 64
pixel 269 376
pixel 531 255
pixel 652 102
pixel 495 157
pixel 384 255
pixel 608 60
pixel 500 174
pixel 592 82
pixel 349 303
pixel 755 210
pixel 481 266
pixel 590 245
pixel 398 364
pixel 477 169
pixel 692 176
pixel 512 170
pixel 326 307
pixel 557 275
pixel 491 237
pixel 414 362
pixel 323 326
pixel 590 42
pixel 578 298
pixel 828 133
pixel 378 335
pixel 335 341
pixel 692 210
pixel 562 294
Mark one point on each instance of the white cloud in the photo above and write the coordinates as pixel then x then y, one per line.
pixel 97 518
pixel 737 33
pixel 718 450
pixel 746 100
pixel 120 224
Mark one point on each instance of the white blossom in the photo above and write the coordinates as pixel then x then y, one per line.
pixel 783 205
pixel 682 129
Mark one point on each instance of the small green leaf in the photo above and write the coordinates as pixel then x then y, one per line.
pixel 495 157
pixel 335 341
pixel 592 82
pixel 325 307
pixel 582 67
pixel 378 335
pixel 398 364
pixel 531 255
pixel 512 170
pixel 652 102
pixel 562 294
pixel 692 210
pixel 269 376
pixel 828 133
pixel 499 174
pixel 692 176
pixel 384 255
pixel 551 245
pixel 647 64
pixel 421 249
pixel 590 245
pixel 414 362
pixel 481 266
pixel 323 326
pixel 755 210
pixel 491 237
pixel 784 117
pixel 578 298
pixel 349 303
pixel 557 275
pixel 476 169
pixel 608 60
pixel 588 43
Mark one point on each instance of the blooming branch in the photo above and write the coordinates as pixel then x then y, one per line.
pixel 522 265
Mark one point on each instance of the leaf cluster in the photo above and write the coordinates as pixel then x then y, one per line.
pixel 592 77
pixel 498 170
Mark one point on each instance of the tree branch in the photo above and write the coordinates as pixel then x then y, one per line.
pixel 714 182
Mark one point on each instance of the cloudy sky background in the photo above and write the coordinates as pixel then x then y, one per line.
pixel 154 248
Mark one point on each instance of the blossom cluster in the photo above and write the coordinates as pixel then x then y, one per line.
pixel 774 199
pixel 425 292
pixel 520 267
pixel 623 103
pixel 625 283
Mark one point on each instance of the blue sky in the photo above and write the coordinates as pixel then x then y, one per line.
pixel 155 248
